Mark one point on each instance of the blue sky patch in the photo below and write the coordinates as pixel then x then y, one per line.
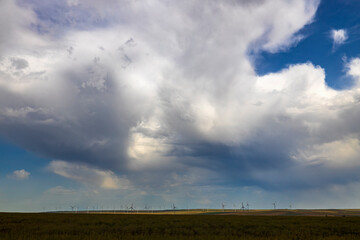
pixel 317 47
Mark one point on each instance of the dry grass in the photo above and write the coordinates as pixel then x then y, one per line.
pixel 70 226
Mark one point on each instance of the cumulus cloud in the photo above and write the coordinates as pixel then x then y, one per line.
pixel 20 174
pixel 353 69
pixel 339 36
pixel 127 100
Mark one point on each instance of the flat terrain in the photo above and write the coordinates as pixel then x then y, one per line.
pixel 264 212
pixel 210 225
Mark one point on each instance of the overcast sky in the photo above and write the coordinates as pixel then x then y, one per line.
pixel 108 103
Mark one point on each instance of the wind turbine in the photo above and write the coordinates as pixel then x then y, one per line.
pixel 146 207
pixel 274 204
pixel 247 206
pixel 223 206
pixel 242 206
pixel 173 207
pixel 132 207
pixel 127 208
pixel 72 208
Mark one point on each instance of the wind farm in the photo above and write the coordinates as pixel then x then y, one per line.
pixel 129 221
pixel 223 211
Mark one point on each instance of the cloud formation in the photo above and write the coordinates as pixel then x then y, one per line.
pixel 124 97
pixel 20 174
pixel 339 36
pixel 88 175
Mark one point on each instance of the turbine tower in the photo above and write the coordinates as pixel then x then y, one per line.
pixel 174 207
pixel 146 207
pixel 132 207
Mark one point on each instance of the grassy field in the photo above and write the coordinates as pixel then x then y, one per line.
pixel 140 226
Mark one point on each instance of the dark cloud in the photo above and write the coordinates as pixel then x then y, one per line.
pixel 19 63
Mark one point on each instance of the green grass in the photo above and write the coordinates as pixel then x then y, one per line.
pixel 117 226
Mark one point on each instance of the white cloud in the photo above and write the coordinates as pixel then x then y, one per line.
pixel 339 36
pixel 339 153
pixel 20 174
pixel 15 22
pixel 88 175
pixel 353 68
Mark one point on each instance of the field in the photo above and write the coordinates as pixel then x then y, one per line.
pixel 209 225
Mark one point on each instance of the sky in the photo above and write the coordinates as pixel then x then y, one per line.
pixel 104 104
